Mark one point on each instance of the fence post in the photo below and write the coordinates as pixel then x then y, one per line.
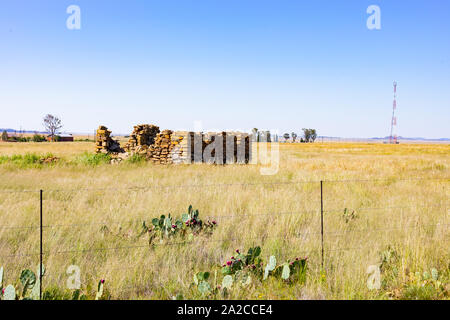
pixel 40 249
pixel 321 220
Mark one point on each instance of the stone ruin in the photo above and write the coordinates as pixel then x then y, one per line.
pixel 169 146
pixel 104 143
pixel 142 137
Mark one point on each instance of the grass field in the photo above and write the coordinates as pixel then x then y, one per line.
pixel 383 204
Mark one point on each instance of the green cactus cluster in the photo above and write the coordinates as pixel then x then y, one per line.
pixel 242 265
pixel 28 289
pixel 249 262
pixel 29 286
pixel 187 226
pixel 202 284
pixel 243 269
pixel 294 271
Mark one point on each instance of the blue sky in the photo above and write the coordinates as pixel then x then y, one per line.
pixel 230 64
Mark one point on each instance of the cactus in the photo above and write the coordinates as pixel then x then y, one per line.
pixel 253 254
pixel 204 288
pixel 270 266
pixel 1 277
pixel 202 276
pixel 241 261
pixel 286 272
pixel 227 282
pixel 243 278
pixel 155 222
pixel 434 274
pixel 9 293
pixel 201 280
pixel 188 225
pixel 99 289
pixel 28 280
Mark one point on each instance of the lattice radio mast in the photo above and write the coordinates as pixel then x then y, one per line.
pixel 393 136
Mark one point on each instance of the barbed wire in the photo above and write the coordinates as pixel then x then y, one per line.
pixel 217 217
pixel 143 218
pixel 228 185
pixel 263 238
pixel 383 208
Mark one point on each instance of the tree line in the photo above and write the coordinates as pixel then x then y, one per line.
pixel 309 135
pixel 51 124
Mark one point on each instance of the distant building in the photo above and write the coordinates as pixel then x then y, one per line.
pixel 62 137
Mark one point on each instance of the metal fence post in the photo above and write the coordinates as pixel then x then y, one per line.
pixel 321 220
pixel 40 249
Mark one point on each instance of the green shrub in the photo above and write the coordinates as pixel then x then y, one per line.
pixel 38 138
pixel 19 139
pixel 93 159
pixel 26 160
pixel 136 158
pixel 21 160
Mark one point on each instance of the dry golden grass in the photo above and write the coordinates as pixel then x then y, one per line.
pixel 395 210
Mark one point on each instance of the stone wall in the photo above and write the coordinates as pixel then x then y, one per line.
pixel 179 147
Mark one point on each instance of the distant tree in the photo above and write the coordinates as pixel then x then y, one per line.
pixel 306 134
pixel 309 135
pixel 313 135
pixel 52 124
pixel 286 136
pixel 294 136
pixel 4 136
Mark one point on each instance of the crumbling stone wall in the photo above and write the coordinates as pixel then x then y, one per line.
pixel 142 137
pixel 104 143
pixel 177 147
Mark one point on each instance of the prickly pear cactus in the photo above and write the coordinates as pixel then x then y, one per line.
pixel 252 254
pixel 10 293
pixel 227 282
pixel 243 278
pixel 1 277
pixel 28 280
pixel 434 274
pixel 286 272
pixel 204 288
pixel 201 280
pixel 270 266
pixel 99 290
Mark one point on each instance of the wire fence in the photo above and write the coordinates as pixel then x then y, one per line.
pixel 320 213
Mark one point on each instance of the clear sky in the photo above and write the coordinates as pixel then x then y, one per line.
pixel 230 64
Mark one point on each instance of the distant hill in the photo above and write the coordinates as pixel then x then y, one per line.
pixel 20 131
pixel 9 130
pixel 330 138
pixel 413 139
